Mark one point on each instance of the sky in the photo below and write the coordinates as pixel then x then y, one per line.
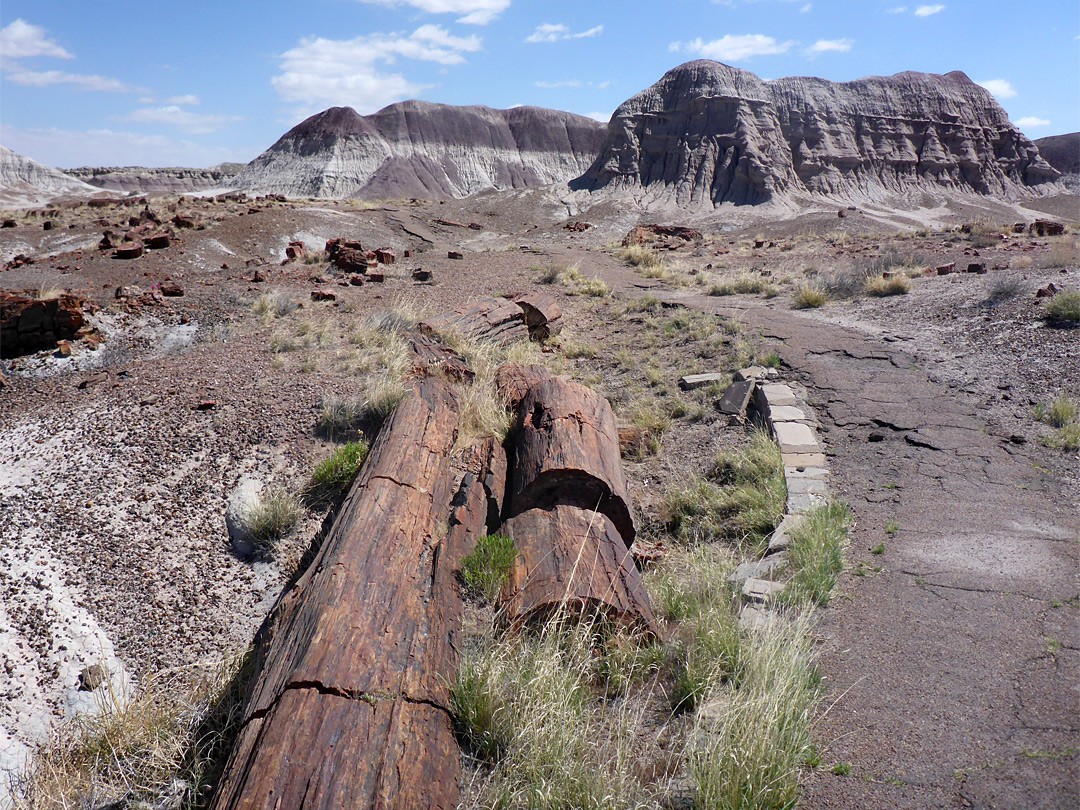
pixel 198 83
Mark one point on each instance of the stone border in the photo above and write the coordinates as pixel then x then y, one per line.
pixel 805 475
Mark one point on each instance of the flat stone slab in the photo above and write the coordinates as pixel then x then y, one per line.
pixel 795 437
pixel 768 568
pixel 762 590
pixel 736 397
pixel 806 472
pixel 803 460
pixel 786 413
pixel 781 537
pixel 753 617
pixel 798 485
pixel 799 503
pixel 750 373
pixel 778 394
pixel 692 381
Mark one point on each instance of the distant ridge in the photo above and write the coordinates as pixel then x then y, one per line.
pixel 1062 152
pixel 422 149
pixel 140 180
pixel 25 182
pixel 709 133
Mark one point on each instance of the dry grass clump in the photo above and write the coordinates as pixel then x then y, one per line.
pixel 642 256
pixel 816 554
pixel 165 746
pixel 1065 252
pixel 577 283
pixel 741 501
pixel 274 304
pixel 271 518
pixel 1062 414
pixel 808 296
pixel 882 286
pixel 743 284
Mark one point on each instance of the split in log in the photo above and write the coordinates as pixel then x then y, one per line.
pixel 498 320
pixel 543 315
pixel 566 450
pixel 512 382
pixel 575 560
pixel 349 706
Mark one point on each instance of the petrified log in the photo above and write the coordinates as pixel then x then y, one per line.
pixel 498 320
pixel 566 450
pixel 573 559
pixel 428 355
pixel 513 381
pixel 349 704
pixel 543 315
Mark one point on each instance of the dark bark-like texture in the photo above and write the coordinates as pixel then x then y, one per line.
pixel 498 320
pixel 573 558
pixel 566 450
pixel 349 704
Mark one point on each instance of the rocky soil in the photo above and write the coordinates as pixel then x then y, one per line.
pixel 116 462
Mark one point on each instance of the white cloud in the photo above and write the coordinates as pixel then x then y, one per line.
pixel 1031 121
pixel 603 118
pixel 999 87
pixel 191 100
pixel 345 72
pixel 574 83
pixel 476 12
pixel 553 32
pixel 30 78
pixel 185 120
pixel 926 11
pixel 734 48
pixel 104 147
pixel 823 45
pixel 21 40
pixel 806 9
pixel 898 10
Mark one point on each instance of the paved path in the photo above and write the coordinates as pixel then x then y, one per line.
pixel 953 673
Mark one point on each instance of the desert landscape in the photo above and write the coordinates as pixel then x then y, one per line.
pixel 723 455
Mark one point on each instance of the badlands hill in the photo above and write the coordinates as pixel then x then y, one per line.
pixel 25 182
pixel 140 180
pixel 1062 152
pixel 709 133
pixel 421 149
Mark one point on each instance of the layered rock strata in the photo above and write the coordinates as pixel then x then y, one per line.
pixel 139 180
pixel 422 149
pixel 711 133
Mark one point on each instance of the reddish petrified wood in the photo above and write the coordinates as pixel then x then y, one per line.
pixel 429 355
pixel 512 382
pixel 498 320
pixel 573 557
pixel 566 450
pixel 349 705
pixel 543 315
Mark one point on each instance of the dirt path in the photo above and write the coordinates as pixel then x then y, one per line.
pixel 951 672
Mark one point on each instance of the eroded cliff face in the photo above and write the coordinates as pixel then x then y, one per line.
pixel 139 180
pixel 25 182
pixel 421 149
pixel 711 133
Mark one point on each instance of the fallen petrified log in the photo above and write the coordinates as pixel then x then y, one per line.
pixel 498 320
pixel 513 381
pixel 566 442
pixel 573 559
pixel 349 705
pixel 543 315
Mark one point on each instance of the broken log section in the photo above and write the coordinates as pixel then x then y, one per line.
pixel 566 450
pixel 543 315
pixel 498 320
pixel 573 559
pixel 349 706
pixel 429 355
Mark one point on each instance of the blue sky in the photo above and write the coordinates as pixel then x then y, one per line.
pixel 197 83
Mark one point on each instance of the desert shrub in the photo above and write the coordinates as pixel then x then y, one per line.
pixel 1064 252
pixel 816 554
pixel 809 297
pixel 880 286
pixel 1002 290
pixel 1065 306
pixel 485 570
pixel 334 475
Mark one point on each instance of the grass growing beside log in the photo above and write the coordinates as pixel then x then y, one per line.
pixel 335 474
pixel 168 742
pixel 485 570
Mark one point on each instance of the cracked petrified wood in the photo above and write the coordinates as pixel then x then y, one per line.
pixel 497 320
pixel 573 559
pixel 566 450
pixel 349 704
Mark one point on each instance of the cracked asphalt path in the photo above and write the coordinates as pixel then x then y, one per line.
pixel 951 673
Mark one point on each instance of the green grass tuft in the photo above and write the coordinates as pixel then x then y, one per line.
pixel 485 570
pixel 1064 306
pixel 335 474
pixel 816 554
